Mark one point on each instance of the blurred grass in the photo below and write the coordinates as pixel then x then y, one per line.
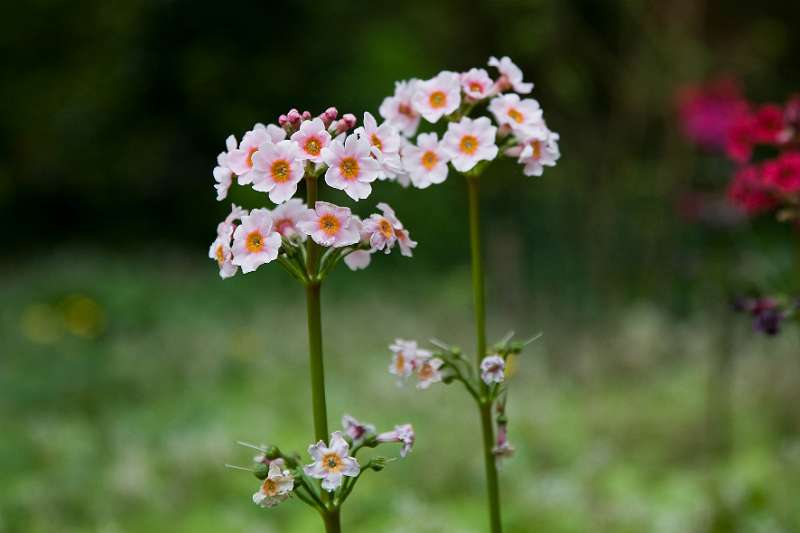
pixel 125 381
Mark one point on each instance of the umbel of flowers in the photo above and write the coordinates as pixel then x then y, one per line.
pixel 308 239
pixel 469 119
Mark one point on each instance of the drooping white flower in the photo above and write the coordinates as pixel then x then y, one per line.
pixel 538 150
pixel 241 159
pixel 380 231
pixel 275 488
pixel 223 175
pixel 510 75
pixel 402 237
pixel 521 115
pixel 438 96
pixel 220 251
pixel 403 433
pixel 387 141
pixel 351 167
pixel 331 225
pixel 277 170
pixel 332 463
pixel 405 242
pixel 357 431
pixel 469 141
pixel 255 242
pixel 493 369
pixel 427 371
pixel 398 110
pixel 311 138
pixel 476 84
pixel 287 216
pixel 426 163
pixel 358 260
pixel 405 357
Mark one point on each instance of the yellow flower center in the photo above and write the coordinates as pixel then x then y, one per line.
pixel 515 115
pixel 476 87
pixel 468 144
pixel 437 99
pixel 313 146
pixel 250 153
pixel 331 462
pixel 280 171
pixel 425 371
pixel 220 254
pixel 400 363
pixel 376 141
pixel 254 241
pixel 405 109
pixel 429 159
pixel 385 227
pixel 537 148
pixel 269 487
pixel 329 224
pixel 349 168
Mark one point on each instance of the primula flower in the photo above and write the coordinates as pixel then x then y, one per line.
pixel 277 170
pixel 223 175
pixel 427 371
pixel 426 163
pixel 476 84
pixel 438 96
pixel 769 126
pixel 747 191
pixel 403 433
pixel 782 175
pixel 503 448
pixel 469 141
pixel 707 112
pixel 275 488
pixel 356 430
pixel 332 463
pixel 331 225
pixel 381 233
pixel 255 242
pixel 520 115
pixel 241 159
pixel 740 141
pixel 398 110
pixel 387 141
pixel 403 237
pixel 537 151
pixel 351 167
pixel 287 216
pixel 358 259
pixel 405 356
pixel 510 75
pixel 493 369
pixel 311 138
pixel 220 251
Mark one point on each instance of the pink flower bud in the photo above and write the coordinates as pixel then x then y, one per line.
pixel 306 115
pixel 347 123
pixel 294 116
pixel 282 120
pixel 329 116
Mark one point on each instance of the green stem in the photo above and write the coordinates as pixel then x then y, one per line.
pixel 332 521
pixel 485 405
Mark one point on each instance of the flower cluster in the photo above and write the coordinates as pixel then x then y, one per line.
pixel 334 466
pixel 274 159
pixel 768 313
pixel 519 128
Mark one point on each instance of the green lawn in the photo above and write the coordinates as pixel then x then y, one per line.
pixel 125 382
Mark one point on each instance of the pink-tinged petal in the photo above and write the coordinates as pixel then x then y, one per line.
pixel 338 445
pixel 358 260
pixel 315 470
pixel 237 160
pixel 316 451
pixel 332 482
pixel 350 467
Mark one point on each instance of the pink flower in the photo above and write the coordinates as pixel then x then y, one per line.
pixel 351 167
pixel 438 96
pixel 476 84
pixel 223 175
pixel 427 371
pixel 469 141
pixel 426 163
pixel 406 356
pixel 401 234
pixel 782 175
pixel 510 75
pixel 503 448
pixel 254 241
pixel 220 251
pixel 747 191
pixel 398 110
pixel 522 116
pixel 241 159
pixel 331 225
pixel 403 433
pixel 538 150
pixel 287 216
pixel 380 231
pixel 493 369
pixel 277 170
pixel 312 137
pixel 707 112
pixel 331 463
pixel 769 126
pixel 386 141
pixel 740 140
pixel 357 431
pixel 358 259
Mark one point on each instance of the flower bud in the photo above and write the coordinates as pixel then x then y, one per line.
pixel 377 464
pixel 261 471
pixel 283 120
pixel 272 452
pixel 347 122
pixel 306 115
pixel 329 116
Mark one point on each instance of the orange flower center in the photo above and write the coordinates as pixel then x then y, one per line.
pixel 385 227
pixel 329 224
pixel 476 87
pixel 516 116
pixel 425 371
pixel 269 487
pixel 537 149
pixel 405 109
pixel 376 141
pixel 220 253
pixel 284 224
pixel 331 462
pixel 349 168
pixel 468 144
pixel 429 159
pixel 250 153
pixel 280 171
pixel 437 99
pixel 400 363
pixel 313 146
pixel 254 241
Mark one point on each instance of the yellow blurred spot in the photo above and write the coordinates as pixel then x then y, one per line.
pixel 83 316
pixel 41 324
pixel 511 365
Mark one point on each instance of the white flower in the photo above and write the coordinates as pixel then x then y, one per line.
pixel 405 357
pixel 226 227
pixel 493 369
pixel 220 251
pixel 427 371
pixel 537 151
pixel 522 116
pixel 358 260
pixel 311 138
pixel 287 216
pixel 404 434
pixel 223 174
pixel 404 242
pixel 476 84
pixel 254 241
pixel 356 430
pixel 351 167
pixel 275 488
pixel 277 170
pixel 387 142
pixel 380 231
pixel 241 159
pixel 398 110
pixel 438 96
pixel 510 75
pixel 332 463
pixel 426 163
pixel 469 141
pixel 331 225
